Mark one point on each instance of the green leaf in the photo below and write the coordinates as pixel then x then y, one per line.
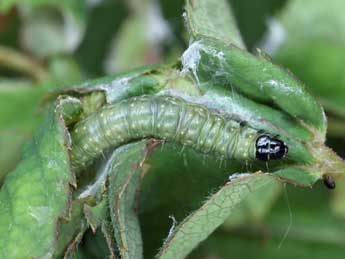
pixel 144 80
pixel 21 116
pixel 21 111
pixel 300 225
pixel 107 232
pixel 96 215
pixel 11 142
pixel 72 230
pixel 29 216
pixel 256 77
pixel 212 18
pixel 255 207
pixel 16 127
pixel 17 122
pixel 125 175
pixel 215 64
pixel 201 223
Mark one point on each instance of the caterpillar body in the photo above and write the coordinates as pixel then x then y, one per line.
pixel 172 119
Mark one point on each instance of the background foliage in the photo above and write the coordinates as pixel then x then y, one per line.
pixel 48 45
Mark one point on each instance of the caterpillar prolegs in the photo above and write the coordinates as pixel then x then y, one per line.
pixel 172 119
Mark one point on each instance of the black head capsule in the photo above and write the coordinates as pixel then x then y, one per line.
pixel 329 182
pixel 269 148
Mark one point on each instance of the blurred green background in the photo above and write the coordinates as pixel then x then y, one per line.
pixel 46 45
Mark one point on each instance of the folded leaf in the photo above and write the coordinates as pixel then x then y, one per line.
pixel 124 179
pixel 256 77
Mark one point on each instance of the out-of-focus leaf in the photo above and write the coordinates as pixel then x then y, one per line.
pixel 251 17
pixel 336 129
pixel 311 218
pixel 75 9
pixel 139 40
pixel 212 18
pixel 172 11
pixel 201 223
pixel 9 29
pixel 50 27
pixel 19 116
pixel 21 110
pixel 337 202
pixel 64 71
pixel 47 31
pixel 328 82
pixel 31 217
pixel 310 229
pixel 103 23
pixel 225 245
pixel 304 19
pixel 11 142
pixel 313 48
pixel 130 47
pixel 125 176
pixel 74 5
pixel 19 107
pixel 22 64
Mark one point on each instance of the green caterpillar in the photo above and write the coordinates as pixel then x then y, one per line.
pixel 172 119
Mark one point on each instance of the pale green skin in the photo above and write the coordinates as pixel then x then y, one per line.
pixel 162 117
